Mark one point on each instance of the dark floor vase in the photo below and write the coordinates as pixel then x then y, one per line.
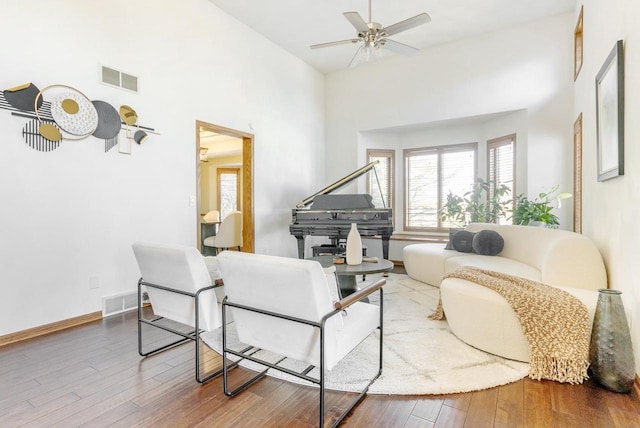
pixel 610 353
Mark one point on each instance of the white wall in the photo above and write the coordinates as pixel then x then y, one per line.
pixel 527 68
pixel 611 208
pixel 73 213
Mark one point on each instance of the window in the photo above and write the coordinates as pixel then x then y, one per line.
pixel 228 190
pixel 430 174
pixel 501 168
pixel 380 184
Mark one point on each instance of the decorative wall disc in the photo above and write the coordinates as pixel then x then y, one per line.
pixel 140 137
pixel 50 131
pixel 74 113
pixel 34 139
pixel 110 143
pixel 108 120
pixel 23 97
pixel 128 115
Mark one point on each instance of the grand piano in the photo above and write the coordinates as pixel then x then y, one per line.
pixel 324 214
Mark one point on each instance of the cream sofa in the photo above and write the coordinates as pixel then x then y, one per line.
pixel 480 316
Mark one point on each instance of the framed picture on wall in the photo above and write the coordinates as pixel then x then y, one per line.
pixel 610 115
pixel 577 174
pixel 577 46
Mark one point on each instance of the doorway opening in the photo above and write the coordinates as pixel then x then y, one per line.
pixel 224 179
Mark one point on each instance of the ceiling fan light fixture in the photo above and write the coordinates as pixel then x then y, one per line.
pixel 373 36
pixel 203 154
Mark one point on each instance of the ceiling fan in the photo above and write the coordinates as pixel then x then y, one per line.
pixel 373 36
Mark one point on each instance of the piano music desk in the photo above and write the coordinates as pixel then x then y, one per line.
pixel 347 273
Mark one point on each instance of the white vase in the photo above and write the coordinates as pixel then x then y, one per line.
pixel 354 246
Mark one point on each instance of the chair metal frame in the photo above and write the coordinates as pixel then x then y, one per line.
pixel 185 336
pixel 339 307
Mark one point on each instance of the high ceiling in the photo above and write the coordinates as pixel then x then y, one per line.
pixel 296 24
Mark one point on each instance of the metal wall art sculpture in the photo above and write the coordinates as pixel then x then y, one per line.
pixel 68 114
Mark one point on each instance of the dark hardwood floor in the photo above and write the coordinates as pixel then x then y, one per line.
pixel 93 376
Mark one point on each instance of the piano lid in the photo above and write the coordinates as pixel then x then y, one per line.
pixel 339 184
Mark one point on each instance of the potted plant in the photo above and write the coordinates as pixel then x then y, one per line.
pixel 475 206
pixel 539 210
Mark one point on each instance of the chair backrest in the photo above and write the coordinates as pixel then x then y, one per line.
pixel 294 287
pixel 230 231
pixel 181 268
pixel 211 216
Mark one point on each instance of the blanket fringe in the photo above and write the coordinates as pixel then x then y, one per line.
pixel 561 370
pixel 438 314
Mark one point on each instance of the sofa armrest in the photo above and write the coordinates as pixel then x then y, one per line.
pixel 574 262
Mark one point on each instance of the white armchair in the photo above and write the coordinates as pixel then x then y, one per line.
pixel 183 287
pixel 229 233
pixel 285 306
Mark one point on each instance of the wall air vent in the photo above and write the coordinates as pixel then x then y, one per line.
pixel 120 79
pixel 119 303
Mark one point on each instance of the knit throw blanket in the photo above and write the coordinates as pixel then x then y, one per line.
pixel 555 323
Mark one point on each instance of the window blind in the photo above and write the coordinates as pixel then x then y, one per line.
pixel 430 173
pixel 382 195
pixel 500 154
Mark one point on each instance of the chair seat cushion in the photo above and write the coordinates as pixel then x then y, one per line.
pixel 360 319
pixel 214 272
pixel 212 267
pixel 334 291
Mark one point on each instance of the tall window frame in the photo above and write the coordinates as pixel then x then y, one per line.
pixel 385 171
pixel 501 168
pixel 443 166
pixel 228 202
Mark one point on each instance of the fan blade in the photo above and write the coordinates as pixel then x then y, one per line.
pixel 398 47
pixel 339 42
pixel 407 24
pixel 356 20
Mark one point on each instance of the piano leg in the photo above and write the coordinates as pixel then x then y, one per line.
pixel 300 246
pixel 385 247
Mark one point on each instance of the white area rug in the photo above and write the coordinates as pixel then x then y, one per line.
pixel 421 356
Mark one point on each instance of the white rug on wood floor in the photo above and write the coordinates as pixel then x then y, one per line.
pixel 421 356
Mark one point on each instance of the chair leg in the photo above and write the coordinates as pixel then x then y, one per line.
pixel 142 320
pixel 194 335
pixel 320 381
pixel 362 394
pixel 200 378
pixel 155 350
pixel 226 367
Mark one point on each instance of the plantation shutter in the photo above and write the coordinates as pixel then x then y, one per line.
pixel 430 174
pixel 422 189
pixel 457 175
pixel 384 172
pixel 501 167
